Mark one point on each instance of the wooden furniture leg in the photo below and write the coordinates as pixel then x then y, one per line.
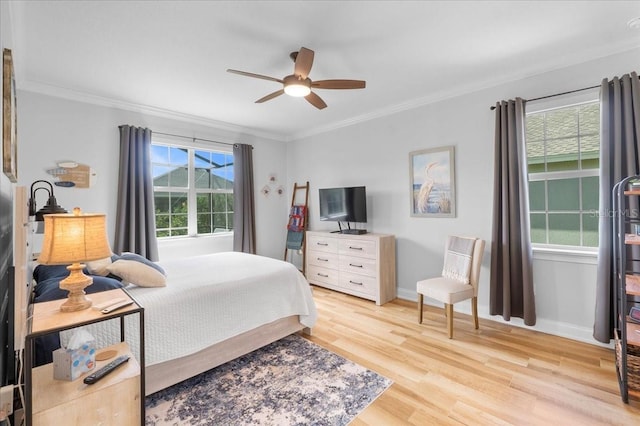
pixel 449 310
pixel 474 308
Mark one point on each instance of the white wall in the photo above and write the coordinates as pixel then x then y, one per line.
pixel 52 129
pixel 375 153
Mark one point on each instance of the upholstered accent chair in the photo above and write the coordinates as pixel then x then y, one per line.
pixel 459 280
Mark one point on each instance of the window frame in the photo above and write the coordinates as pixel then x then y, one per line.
pixel 191 190
pixel 566 101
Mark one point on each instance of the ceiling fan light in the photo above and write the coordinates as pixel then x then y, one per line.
pixel 297 90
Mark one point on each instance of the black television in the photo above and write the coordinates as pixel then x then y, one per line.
pixel 347 204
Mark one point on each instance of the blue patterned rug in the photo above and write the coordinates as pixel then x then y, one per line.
pixel 290 382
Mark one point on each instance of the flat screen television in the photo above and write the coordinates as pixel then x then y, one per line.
pixel 347 204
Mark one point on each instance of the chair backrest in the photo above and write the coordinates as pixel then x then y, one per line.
pixel 476 262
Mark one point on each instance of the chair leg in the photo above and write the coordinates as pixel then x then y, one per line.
pixel 474 308
pixel 420 297
pixel 449 309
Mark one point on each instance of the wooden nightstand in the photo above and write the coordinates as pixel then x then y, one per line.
pixel 117 399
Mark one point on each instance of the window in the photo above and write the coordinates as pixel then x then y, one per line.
pixel 193 190
pixel 563 152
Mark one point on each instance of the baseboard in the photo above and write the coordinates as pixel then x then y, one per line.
pixel 561 329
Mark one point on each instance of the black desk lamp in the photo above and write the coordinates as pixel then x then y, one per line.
pixel 51 206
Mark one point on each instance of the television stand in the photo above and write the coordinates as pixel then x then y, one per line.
pixel 353 231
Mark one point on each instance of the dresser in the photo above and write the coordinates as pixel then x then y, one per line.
pixel 360 265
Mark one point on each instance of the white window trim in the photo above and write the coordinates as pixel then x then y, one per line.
pixel 568 254
pixel 555 102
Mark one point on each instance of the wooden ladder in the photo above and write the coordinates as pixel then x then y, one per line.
pixel 297 225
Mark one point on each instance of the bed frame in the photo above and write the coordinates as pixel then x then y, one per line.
pixel 165 374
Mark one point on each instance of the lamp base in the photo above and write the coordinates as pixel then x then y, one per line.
pixel 75 283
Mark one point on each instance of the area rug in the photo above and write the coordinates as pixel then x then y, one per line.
pixel 290 382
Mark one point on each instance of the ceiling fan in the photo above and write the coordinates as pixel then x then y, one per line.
pixel 299 84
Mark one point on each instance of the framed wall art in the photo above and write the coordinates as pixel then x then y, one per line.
pixel 432 182
pixel 9 122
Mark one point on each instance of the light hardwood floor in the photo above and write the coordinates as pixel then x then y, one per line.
pixel 497 375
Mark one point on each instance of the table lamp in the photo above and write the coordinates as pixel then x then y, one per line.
pixel 71 239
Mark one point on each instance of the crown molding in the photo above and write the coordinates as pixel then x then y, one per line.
pixel 465 89
pixel 90 98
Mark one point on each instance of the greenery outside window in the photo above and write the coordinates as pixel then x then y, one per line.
pixel 563 153
pixel 193 190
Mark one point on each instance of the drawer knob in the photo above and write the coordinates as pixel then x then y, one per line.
pixel 323 275
pixel 355 266
pixel 322 260
pixel 322 244
pixel 354 282
pixel 355 248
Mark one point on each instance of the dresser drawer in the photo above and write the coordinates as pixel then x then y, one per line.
pixel 316 274
pixel 323 259
pixel 322 243
pixel 359 265
pixel 359 283
pixel 360 248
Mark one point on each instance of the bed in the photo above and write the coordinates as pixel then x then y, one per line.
pixel 213 308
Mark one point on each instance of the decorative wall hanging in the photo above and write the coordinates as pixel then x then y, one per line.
pixel 71 174
pixel 9 120
pixel 432 189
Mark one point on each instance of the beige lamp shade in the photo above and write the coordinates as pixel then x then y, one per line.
pixel 76 237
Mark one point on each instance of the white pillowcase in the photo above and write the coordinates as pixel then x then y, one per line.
pixel 137 273
pixel 99 267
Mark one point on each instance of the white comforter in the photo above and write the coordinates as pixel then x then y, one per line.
pixel 213 297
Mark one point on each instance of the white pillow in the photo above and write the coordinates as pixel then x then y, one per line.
pixel 99 267
pixel 137 273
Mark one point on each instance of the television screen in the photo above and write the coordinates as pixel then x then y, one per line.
pixel 343 204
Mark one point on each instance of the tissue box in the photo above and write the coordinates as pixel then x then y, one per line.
pixel 69 364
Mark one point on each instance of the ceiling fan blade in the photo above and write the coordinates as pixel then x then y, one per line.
pixel 339 84
pixel 315 100
pixel 270 96
pixel 250 74
pixel 304 61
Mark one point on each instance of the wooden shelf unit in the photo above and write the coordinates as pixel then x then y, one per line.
pixel 627 288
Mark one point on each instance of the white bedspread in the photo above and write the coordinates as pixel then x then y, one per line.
pixel 213 297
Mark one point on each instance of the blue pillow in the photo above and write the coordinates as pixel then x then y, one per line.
pixel 49 289
pixel 45 272
pixel 138 258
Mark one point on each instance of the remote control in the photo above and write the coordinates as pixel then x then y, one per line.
pixel 99 374
pixel 116 306
pixel 101 306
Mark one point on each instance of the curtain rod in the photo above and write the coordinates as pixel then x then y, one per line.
pixel 557 94
pixel 195 139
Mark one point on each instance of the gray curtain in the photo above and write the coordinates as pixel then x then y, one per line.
pixel 511 285
pixel 135 215
pixel 244 228
pixel 619 158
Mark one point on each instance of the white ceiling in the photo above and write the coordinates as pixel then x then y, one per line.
pixel 171 56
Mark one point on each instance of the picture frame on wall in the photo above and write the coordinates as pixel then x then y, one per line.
pixel 9 121
pixel 432 182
